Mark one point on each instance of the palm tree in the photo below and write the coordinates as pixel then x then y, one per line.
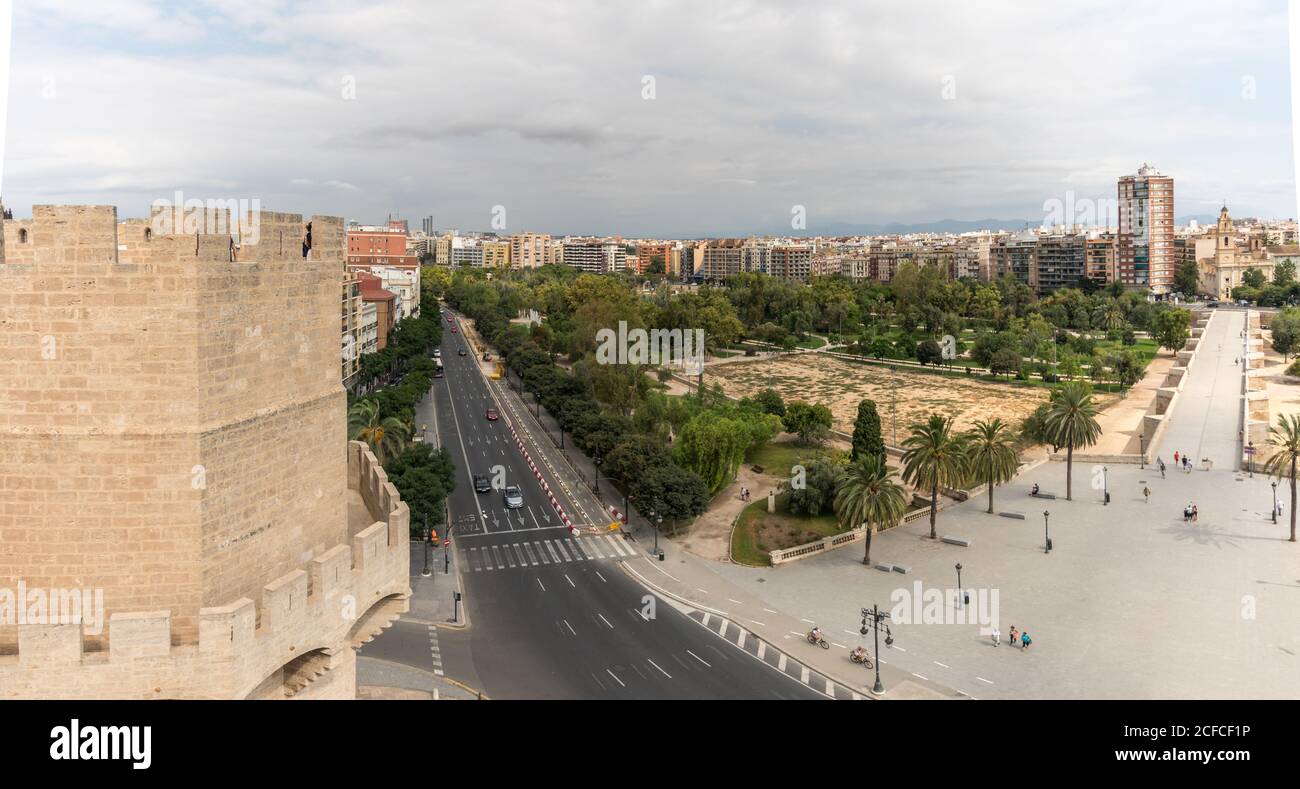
pixel 866 495
pixel 1286 436
pixel 934 457
pixel 1072 422
pixel 991 454
pixel 386 436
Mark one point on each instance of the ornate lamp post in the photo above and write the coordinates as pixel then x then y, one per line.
pixel 871 620
pixel 1047 538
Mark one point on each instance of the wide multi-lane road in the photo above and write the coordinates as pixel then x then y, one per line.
pixel 552 614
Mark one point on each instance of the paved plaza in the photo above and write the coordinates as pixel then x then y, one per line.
pixel 1132 602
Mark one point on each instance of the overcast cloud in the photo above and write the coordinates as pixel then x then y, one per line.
pixel 538 107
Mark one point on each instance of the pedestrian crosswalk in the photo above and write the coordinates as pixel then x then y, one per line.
pixel 536 553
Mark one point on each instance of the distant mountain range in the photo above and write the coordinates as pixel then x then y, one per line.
pixel 953 226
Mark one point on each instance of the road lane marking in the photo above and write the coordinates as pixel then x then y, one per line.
pixel 981 679
pixel 697 657
pixel 616 679
pixel 780 662
pixel 560 545
pixel 570 580
pixel 804 674
pixel 734 600
pixel 937 663
pixel 606 621
pixel 539 583
pixel 661 671
pixel 762 649
pixel 601 577
pixel 918 676
pixel 571 630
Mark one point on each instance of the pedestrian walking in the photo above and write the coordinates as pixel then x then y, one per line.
pixel 1196 513
pixel 1012 635
pixel 1161 463
pixel 1146 494
pixel 997 635
pixel 1025 641
pixel 1175 458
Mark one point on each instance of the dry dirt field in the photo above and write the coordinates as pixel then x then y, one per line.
pixel 839 385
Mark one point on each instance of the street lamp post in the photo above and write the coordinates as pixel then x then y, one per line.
pixel 659 523
pixel 1142 444
pixel 960 596
pixel 1105 486
pixel 1275 501
pixel 871 618
pixel 1250 460
pixel 1047 537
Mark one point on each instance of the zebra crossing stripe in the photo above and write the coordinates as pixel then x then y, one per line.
pixel 617 547
pixel 564 553
pixel 587 550
pixel 551 547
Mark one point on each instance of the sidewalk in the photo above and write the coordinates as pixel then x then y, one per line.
pixel 689 580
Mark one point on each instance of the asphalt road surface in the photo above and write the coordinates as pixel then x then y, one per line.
pixel 553 616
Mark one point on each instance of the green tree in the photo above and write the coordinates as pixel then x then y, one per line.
pixel 1285 436
pixel 1285 329
pixel 424 476
pixel 770 401
pixel 1171 328
pixel 991 453
pixel 1071 421
pixel 934 456
pixel 1253 278
pixel 671 492
pixel 928 352
pixel 1284 273
pixel 818 490
pixel 1187 278
pixel 867 438
pixel 811 423
pixel 867 495
pixel 386 436
pixel 1006 361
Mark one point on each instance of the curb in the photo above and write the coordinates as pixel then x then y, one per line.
pixel 867 694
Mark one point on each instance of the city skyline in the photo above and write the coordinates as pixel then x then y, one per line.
pixel 898 120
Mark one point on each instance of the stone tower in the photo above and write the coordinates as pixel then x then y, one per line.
pixel 172 432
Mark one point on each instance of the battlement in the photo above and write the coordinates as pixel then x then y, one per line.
pixel 306 624
pixel 75 239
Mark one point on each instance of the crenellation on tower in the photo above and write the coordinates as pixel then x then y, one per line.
pixel 174 434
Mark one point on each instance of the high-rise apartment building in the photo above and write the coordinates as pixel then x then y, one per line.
pixel 1144 251
pixel 531 250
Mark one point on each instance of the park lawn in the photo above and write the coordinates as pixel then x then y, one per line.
pixel 778 457
pixel 757 532
pixel 1145 348
pixel 725 354
pixel 812 343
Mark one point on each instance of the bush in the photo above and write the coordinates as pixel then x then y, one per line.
pixel 1294 369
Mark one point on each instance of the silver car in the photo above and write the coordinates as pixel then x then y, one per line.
pixel 514 499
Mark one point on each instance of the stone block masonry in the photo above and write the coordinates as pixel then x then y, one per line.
pixel 172 431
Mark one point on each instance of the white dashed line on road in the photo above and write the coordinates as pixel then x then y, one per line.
pixel 697 657
pixel 661 671
pixel 937 663
pixel 981 679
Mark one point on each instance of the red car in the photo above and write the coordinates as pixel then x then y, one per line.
pixel 454 330
pixel 492 415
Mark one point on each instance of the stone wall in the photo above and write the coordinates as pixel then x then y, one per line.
pixel 296 638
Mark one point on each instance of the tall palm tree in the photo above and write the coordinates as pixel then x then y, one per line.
pixel 866 495
pixel 1286 436
pixel 386 436
pixel 1072 422
pixel 991 453
pixel 934 457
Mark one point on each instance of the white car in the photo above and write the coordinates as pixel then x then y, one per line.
pixel 437 353
pixel 514 499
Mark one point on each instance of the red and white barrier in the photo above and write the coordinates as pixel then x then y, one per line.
pixel 555 504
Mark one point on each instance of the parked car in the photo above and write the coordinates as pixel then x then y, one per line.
pixel 513 498
pixel 482 484
pixel 492 415
pixel 1212 304
pixel 454 330
pixel 461 352
pixel 437 353
pixel 487 357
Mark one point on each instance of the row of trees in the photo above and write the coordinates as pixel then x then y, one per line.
pixel 392 383
pixel 936 456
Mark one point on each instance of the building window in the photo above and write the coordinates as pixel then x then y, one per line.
pixel 22 235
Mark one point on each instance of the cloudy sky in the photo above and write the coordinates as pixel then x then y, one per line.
pixel 860 112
